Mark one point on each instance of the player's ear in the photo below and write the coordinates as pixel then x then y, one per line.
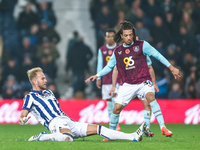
pixel 121 35
pixel 34 81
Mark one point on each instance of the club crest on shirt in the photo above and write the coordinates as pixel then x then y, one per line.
pixel 110 52
pixel 104 52
pixel 136 48
pixel 127 51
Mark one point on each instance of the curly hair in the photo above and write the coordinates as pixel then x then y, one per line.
pixel 125 25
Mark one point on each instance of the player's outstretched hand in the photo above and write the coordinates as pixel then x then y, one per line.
pixel 176 73
pixel 112 90
pixel 156 88
pixel 24 120
pixel 91 78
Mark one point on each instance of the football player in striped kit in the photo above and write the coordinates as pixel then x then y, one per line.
pixel 42 103
pixel 130 60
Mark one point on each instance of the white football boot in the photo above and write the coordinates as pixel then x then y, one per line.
pixel 139 132
pixel 37 136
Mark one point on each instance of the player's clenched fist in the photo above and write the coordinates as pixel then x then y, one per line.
pixel 23 120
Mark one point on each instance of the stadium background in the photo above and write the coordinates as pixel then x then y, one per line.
pixel 27 38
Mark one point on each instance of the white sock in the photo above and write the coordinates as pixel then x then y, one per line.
pixel 114 135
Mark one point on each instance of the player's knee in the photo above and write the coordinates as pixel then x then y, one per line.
pixel 150 97
pixel 116 110
pixel 63 137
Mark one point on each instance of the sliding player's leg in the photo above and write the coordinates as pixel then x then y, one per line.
pixel 115 135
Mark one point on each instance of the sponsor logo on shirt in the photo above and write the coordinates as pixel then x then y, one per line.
pixel 120 52
pixel 104 52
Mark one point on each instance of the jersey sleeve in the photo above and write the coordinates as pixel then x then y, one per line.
pixel 99 62
pixel 151 51
pixel 149 61
pixel 109 67
pixel 28 102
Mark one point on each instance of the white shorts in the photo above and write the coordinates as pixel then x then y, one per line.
pixel 106 88
pixel 129 91
pixel 79 129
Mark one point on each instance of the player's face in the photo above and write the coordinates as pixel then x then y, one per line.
pixel 127 36
pixel 41 81
pixel 110 38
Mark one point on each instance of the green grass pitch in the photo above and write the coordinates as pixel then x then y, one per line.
pixel 14 137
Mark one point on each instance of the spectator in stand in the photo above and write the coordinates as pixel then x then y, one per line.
pixel 168 5
pixel 49 3
pixel 142 32
pixel 186 6
pixel 27 49
pixel 141 16
pixel 103 21
pixel 10 68
pixel 4 55
pixel 77 61
pixel 121 18
pixel 186 42
pixel 49 50
pixel 197 15
pixel 132 12
pixel 190 85
pixel 49 32
pixel 96 6
pixel 71 42
pixel 11 89
pixel 187 21
pixel 189 63
pixel 26 19
pixel 20 7
pixel 120 5
pixel 152 9
pixel 172 54
pixel 53 88
pixel 46 14
pixel 26 65
pixel 33 36
pixel 160 35
pixel 175 92
pixel 49 68
pixel 172 24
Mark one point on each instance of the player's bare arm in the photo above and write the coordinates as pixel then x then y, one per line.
pixel 23 117
pixel 114 80
pixel 152 74
pixel 98 84
pixel 175 72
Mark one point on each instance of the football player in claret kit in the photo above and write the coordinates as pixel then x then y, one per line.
pixel 130 60
pixel 103 58
pixel 43 105
pixel 147 107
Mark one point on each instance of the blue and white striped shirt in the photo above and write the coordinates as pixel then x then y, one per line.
pixel 43 105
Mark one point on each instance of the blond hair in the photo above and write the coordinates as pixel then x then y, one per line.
pixel 32 73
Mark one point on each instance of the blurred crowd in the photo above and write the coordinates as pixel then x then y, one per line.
pixel 28 38
pixel 171 26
